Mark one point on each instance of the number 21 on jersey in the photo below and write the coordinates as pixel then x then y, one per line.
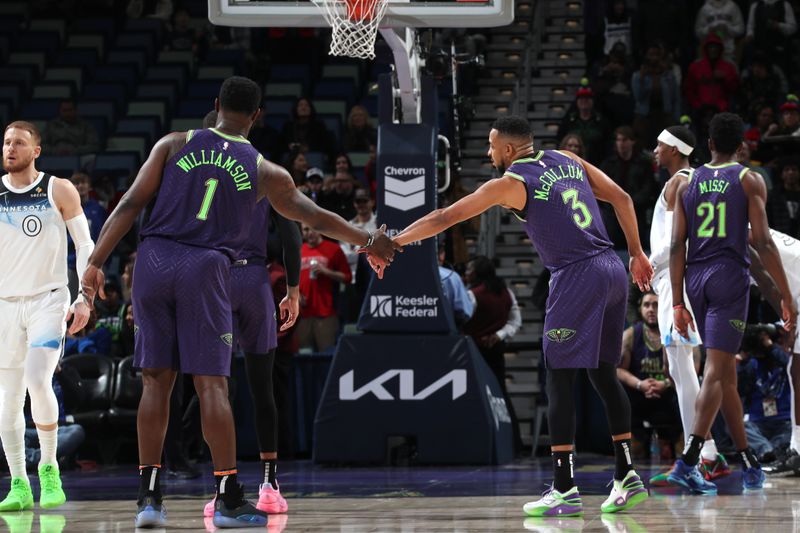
pixel 713 216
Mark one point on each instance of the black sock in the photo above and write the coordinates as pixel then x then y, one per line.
pixel 749 459
pixel 270 471
pixel 228 489
pixel 622 455
pixel 562 471
pixel 691 454
pixel 149 483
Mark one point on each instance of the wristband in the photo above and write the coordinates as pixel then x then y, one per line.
pixel 667 382
pixel 678 306
pixel 639 385
pixel 370 239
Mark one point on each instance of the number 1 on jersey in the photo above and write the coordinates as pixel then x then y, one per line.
pixel 583 218
pixel 211 188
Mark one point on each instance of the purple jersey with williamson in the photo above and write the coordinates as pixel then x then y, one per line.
pixel 562 218
pixel 255 246
pixel 208 193
pixel 716 214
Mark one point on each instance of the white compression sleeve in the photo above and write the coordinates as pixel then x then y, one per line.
pixel 660 252
pixel 12 421
pixel 78 228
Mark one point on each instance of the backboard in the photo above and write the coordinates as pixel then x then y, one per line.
pixel 400 13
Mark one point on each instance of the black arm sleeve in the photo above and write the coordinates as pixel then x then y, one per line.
pixel 292 242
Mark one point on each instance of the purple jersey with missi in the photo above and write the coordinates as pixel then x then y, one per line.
pixel 208 193
pixel 716 214
pixel 562 216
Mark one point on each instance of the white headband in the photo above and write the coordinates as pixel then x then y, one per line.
pixel 670 140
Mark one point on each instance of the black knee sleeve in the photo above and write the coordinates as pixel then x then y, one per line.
pixel 618 406
pixel 561 405
pixel 259 377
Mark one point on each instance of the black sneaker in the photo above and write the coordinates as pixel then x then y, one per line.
pixel 244 514
pixel 789 466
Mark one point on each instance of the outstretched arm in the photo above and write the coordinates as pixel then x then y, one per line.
pixel 119 223
pixel 760 238
pixel 276 183
pixel 505 191
pixel 292 243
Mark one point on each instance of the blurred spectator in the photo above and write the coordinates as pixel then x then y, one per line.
pixel 744 158
pixel 724 18
pixel 339 198
pixel 783 204
pixel 632 170
pixel 127 278
pixel 665 21
pixel 454 292
pixel 655 93
pixel 181 35
pixel 711 80
pixel 111 306
pixel 125 343
pixel 323 263
pixel 305 131
pixel 617 26
pixel 653 398
pixel 157 9
pixel 313 184
pixel 770 24
pixel 763 84
pixel 69 134
pixel 611 78
pixel 90 339
pixel 573 143
pixel 586 122
pixel 297 165
pixel 365 219
pixel 359 133
pixel 765 392
pixel 763 118
pixel 264 138
pixel 369 170
pixel 782 140
pixel 495 319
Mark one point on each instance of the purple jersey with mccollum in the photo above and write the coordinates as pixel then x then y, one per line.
pixel 256 244
pixel 208 193
pixel 716 214
pixel 562 216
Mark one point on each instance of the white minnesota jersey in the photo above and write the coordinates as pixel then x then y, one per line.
pixel 660 234
pixel 33 239
pixel 789 250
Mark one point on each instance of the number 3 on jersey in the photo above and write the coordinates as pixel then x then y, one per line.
pixel 582 217
pixel 208 197
pixel 706 230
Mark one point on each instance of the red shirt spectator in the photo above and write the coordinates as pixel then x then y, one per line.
pixel 711 81
pixel 323 262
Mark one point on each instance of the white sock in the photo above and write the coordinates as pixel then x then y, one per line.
pixel 709 451
pixel 681 368
pixel 14 446
pixel 795 442
pixel 48 441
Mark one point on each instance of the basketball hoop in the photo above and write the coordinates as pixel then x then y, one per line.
pixel 355 25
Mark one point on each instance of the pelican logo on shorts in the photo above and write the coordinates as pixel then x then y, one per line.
pixel 227 338
pixel 404 195
pixel 31 225
pixel 738 325
pixel 380 306
pixel 560 334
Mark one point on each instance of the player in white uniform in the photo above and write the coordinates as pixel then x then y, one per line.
pixel 675 144
pixel 36 210
pixel 789 250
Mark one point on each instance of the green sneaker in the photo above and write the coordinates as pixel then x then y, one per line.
pixel 625 494
pixel 20 497
pixel 50 494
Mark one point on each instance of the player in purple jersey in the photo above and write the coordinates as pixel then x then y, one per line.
pixel 712 210
pixel 208 183
pixel 255 332
pixel 555 194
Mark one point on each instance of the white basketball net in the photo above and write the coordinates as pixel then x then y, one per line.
pixel 355 25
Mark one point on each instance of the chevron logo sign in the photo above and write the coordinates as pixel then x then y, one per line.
pixel 404 195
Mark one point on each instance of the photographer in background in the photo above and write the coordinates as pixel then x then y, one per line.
pixel 765 391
